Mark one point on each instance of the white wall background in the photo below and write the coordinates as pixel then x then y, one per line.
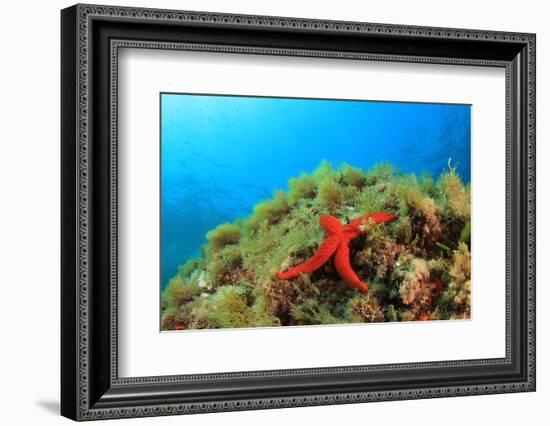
pixel 29 211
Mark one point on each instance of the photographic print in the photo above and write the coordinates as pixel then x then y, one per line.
pixel 279 211
pixel 307 184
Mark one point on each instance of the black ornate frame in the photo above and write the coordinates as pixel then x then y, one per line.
pixel 91 37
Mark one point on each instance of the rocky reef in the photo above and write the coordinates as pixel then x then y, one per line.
pixel 417 267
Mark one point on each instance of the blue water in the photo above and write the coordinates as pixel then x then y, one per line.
pixel 221 155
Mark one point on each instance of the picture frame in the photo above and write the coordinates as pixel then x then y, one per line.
pixel 91 387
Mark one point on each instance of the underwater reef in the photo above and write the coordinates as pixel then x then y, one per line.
pixel 416 265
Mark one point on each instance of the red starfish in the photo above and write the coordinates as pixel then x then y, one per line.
pixel 337 241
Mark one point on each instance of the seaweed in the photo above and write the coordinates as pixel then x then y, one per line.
pixel 354 176
pixel 417 267
pixel 301 188
pixel 456 300
pixel 456 197
pixel 269 211
pixel 330 195
pixel 179 292
pixel 224 234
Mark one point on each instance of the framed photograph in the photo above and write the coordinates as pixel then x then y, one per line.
pixel 263 212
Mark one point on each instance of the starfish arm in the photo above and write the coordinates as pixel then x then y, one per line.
pixel 379 217
pixel 343 267
pixel 330 224
pixel 323 253
pixel 354 224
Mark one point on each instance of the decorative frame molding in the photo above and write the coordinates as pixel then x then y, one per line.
pixel 91 388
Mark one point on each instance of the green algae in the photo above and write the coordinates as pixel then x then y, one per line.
pixel 417 267
pixel 225 234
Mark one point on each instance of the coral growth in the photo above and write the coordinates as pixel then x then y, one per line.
pixel 418 266
pixel 365 309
